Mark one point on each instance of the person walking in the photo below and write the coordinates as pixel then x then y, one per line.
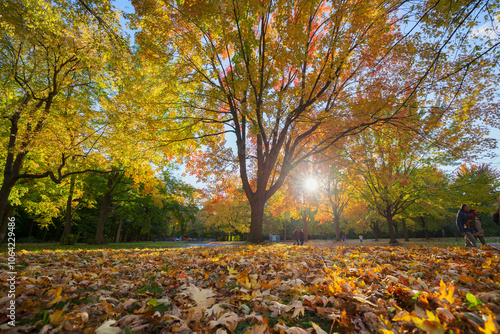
pixel 302 236
pixel 479 227
pixel 465 230
pixel 296 236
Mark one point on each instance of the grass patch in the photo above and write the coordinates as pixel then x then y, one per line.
pixel 243 327
pixel 152 289
pixel 53 246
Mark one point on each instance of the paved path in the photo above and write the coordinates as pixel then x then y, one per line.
pixel 208 245
pixel 493 244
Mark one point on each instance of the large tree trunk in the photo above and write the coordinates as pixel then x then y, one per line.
pixel 336 221
pixel 390 225
pixel 106 204
pixel 287 216
pixel 306 218
pixel 10 171
pixel 256 219
pixel 31 229
pixel 45 234
pixel 117 239
pixel 4 206
pixel 14 162
pixel 9 209
pixel 68 217
pixel 424 226
pixel 374 225
pixel 405 230
pixel 138 234
pixel 183 230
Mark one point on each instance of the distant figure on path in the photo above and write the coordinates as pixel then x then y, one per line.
pixel 496 217
pixel 360 238
pixel 479 227
pixel 302 237
pixel 466 231
pixel 296 237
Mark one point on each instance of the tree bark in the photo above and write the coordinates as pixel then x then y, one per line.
pixel 9 209
pixel 306 218
pixel 374 225
pixel 336 221
pixel 45 234
pixel 256 219
pixel 117 239
pixel 287 216
pixel 106 204
pixel 4 207
pixel 31 228
pixel 68 217
pixel 390 225
pixel 405 230
pixel 424 226
pixel 138 234
pixel 183 230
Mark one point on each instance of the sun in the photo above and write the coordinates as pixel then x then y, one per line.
pixel 311 184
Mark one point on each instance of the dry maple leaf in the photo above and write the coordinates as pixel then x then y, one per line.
pixel 106 328
pixel 202 297
pixel 229 320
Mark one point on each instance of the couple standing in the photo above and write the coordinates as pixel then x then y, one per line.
pixel 299 237
pixel 470 227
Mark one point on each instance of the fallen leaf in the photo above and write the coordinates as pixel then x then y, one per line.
pixel 106 328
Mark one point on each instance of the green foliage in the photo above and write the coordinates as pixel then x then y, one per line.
pixel 70 239
pixel 476 185
pixel 91 240
pixel 473 301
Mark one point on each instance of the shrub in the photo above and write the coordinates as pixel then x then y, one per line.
pixel 70 239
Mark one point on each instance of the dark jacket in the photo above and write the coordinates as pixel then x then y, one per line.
pixel 302 236
pixel 462 221
pixel 296 235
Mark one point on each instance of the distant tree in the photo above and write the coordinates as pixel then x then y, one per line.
pixel 476 185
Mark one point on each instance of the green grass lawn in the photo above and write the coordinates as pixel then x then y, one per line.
pixel 435 242
pixel 32 246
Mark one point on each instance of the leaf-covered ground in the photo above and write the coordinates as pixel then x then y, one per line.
pixel 257 289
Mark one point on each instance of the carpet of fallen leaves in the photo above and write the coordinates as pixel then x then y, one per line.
pixel 257 289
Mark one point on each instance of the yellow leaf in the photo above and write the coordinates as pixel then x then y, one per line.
pixel 57 296
pixel 231 271
pixel 57 317
pixel 402 316
pixel 466 279
pixel 487 264
pixel 446 292
pixel 431 325
pixel 489 326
